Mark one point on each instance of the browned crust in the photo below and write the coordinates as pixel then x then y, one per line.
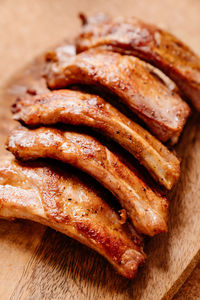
pixel 160 48
pixel 147 210
pixel 133 80
pixel 78 108
pixel 40 192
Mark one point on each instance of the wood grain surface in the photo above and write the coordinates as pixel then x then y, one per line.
pixel 39 263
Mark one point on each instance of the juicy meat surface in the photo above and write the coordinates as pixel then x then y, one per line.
pixel 147 209
pixel 131 79
pixel 78 108
pixel 45 194
pixel 158 47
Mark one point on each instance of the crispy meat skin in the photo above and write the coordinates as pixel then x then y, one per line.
pixel 133 80
pixel 158 47
pixel 148 211
pixel 78 108
pixel 62 201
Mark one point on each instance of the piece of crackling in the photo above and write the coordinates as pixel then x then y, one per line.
pixel 149 42
pixel 135 83
pixel 147 209
pixel 79 108
pixel 68 203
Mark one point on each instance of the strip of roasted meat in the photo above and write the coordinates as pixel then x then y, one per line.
pixel 160 48
pixel 148 210
pixel 78 108
pixel 45 194
pixel 133 80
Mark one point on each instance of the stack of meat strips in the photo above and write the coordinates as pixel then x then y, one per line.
pixel 107 81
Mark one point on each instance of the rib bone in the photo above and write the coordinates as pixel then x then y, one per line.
pixel 58 199
pixel 134 81
pixel 148 210
pixel 158 47
pixel 78 108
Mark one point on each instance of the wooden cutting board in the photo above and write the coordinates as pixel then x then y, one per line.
pixel 39 263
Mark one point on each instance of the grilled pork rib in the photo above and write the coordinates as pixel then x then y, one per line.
pixel 58 199
pixel 133 80
pixel 158 47
pixel 78 108
pixel 147 210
